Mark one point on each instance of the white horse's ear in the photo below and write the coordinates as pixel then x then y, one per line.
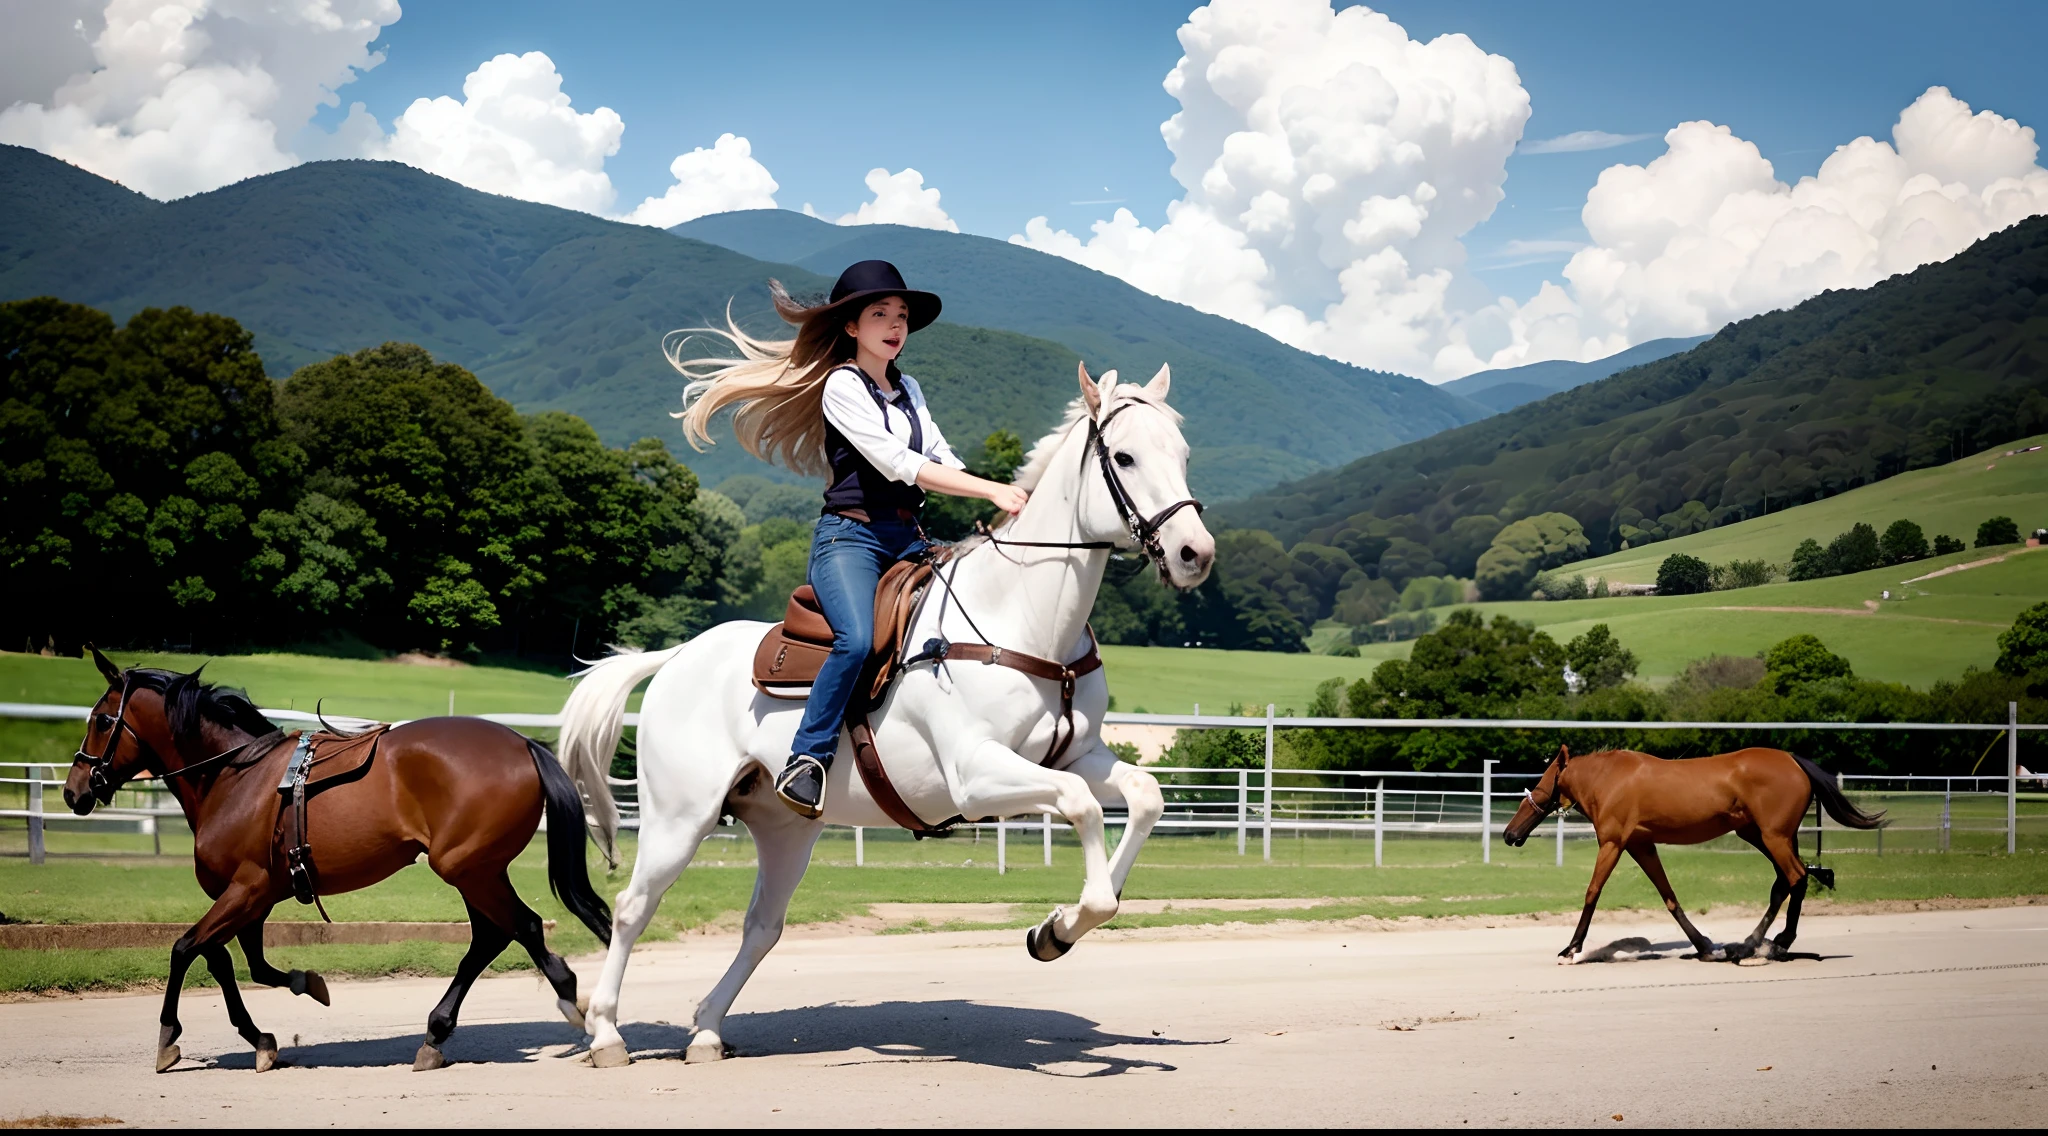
pixel 1105 389
pixel 1160 384
pixel 1089 393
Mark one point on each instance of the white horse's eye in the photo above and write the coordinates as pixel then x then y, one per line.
pixel 1125 460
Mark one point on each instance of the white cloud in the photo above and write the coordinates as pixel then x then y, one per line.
pixel 1579 141
pixel 718 180
pixel 900 199
pixel 1705 233
pixel 1331 167
pixel 190 95
pixel 514 133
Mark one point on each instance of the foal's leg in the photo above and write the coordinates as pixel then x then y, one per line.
pixel 487 941
pixel 783 842
pixel 301 981
pixel 667 845
pixel 223 968
pixel 1646 857
pixel 1603 866
pixel 236 906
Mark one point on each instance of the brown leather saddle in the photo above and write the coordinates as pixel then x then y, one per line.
pixel 319 761
pixel 787 661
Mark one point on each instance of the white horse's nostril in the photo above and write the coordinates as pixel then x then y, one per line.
pixel 1187 553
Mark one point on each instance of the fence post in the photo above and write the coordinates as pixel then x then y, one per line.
pixel 1002 846
pixel 1379 820
pixel 1486 810
pixel 1560 837
pixel 1244 780
pixel 35 814
pixel 860 847
pixel 1048 840
pixel 1948 788
pixel 2012 777
pixel 1269 781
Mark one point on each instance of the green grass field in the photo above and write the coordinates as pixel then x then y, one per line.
pixel 1952 499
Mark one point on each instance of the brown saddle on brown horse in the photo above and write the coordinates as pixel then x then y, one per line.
pixel 787 661
pixel 319 761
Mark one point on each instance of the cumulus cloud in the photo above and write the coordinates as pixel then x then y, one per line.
pixel 1706 233
pixel 515 133
pixel 189 95
pixel 1332 166
pixel 718 180
pixel 1579 141
pixel 900 199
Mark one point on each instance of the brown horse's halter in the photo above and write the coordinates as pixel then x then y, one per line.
pixel 99 779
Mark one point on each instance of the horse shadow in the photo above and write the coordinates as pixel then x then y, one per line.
pixel 1049 1042
pixel 1636 948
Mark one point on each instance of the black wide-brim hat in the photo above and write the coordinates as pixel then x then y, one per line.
pixel 873 278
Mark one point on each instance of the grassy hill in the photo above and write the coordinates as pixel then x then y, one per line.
pixel 1258 410
pixel 1845 389
pixel 1510 387
pixel 560 310
pixel 1952 499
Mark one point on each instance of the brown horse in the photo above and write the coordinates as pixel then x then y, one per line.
pixel 466 792
pixel 1637 801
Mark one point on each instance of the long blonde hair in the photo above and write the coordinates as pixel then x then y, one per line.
pixel 778 385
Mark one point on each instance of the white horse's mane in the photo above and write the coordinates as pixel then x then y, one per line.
pixel 1033 470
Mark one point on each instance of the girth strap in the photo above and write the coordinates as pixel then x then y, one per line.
pixel 868 760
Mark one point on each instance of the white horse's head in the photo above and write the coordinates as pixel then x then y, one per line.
pixel 1138 479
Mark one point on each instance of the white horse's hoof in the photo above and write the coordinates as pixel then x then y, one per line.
pixel 610 1057
pixel 572 1012
pixel 706 1046
pixel 266 1053
pixel 166 1057
pixel 428 1058
pixel 1043 943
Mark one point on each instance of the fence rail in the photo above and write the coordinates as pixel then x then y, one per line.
pixel 1268 799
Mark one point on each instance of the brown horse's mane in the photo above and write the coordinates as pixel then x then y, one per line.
pixel 190 702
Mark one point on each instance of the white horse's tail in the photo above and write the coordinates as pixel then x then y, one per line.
pixel 591 723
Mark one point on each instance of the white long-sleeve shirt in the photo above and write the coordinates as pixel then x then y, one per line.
pixel 882 433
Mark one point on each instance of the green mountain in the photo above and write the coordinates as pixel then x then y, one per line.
pixel 1510 387
pixel 560 310
pixel 1842 390
pixel 1258 410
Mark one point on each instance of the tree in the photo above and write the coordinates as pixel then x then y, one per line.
pixel 1855 550
pixel 1902 542
pixel 1683 575
pixel 1996 531
pixel 1742 574
pixel 1599 659
pixel 1800 660
pixel 1943 545
pixel 1810 561
pixel 2023 647
pixel 1522 549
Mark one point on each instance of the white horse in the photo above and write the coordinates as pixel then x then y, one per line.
pixel 956 738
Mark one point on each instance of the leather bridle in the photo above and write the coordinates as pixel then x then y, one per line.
pixel 1143 530
pixel 99 780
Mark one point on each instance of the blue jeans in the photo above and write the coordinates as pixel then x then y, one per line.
pixel 847 561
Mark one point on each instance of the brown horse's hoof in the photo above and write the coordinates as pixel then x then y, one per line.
pixel 428 1058
pixel 266 1052
pixel 310 984
pixel 610 1057
pixel 166 1057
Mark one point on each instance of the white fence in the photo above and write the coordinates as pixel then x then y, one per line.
pixel 1266 800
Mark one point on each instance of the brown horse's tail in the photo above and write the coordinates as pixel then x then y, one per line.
pixel 568 871
pixel 1834 801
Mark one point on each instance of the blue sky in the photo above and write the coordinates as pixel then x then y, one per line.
pixel 1013 111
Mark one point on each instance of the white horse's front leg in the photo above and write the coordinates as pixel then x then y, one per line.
pixel 999 782
pixel 1112 782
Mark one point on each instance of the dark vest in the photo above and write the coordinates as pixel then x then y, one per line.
pixel 856 484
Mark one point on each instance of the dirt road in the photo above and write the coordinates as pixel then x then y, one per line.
pixel 1926 1018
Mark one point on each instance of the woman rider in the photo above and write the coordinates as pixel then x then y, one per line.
pixel 832 402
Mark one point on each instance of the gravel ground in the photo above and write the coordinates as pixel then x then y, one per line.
pixel 1912 1018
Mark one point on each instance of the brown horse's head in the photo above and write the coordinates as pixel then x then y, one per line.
pixel 143 724
pixel 1547 797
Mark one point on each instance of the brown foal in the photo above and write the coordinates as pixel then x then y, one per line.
pixel 1637 801
pixel 466 792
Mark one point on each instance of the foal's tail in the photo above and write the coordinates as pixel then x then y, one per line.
pixel 1834 801
pixel 568 873
pixel 592 720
